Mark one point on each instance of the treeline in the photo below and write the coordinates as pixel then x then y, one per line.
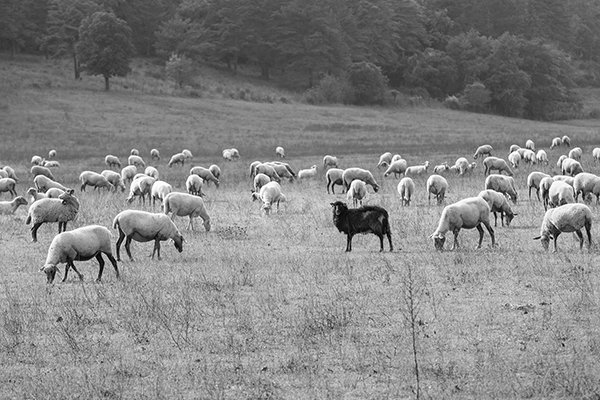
pixel 513 57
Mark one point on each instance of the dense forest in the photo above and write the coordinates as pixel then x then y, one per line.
pixel 512 57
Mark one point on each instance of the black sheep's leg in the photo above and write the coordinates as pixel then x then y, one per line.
pixel 380 242
pixel 389 236
pixel 349 242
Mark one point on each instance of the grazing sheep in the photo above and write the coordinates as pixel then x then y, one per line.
pixel 51 164
pixel 308 173
pixel 556 142
pixel 193 185
pixel 160 190
pixel 498 204
pixel 94 179
pixel 3 174
pixel 357 192
pixel 566 140
pixel 542 157
pixel 436 185
pixel 114 178
pixel 205 174
pixel 231 154
pixel 280 152
pixel 330 161
pixel 139 175
pixel 566 218
pixel 571 167
pixel 39 170
pixel 10 172
pixel 35 195
pixel 134 152
pixel 261 180
pixel 441 168
pixel 396 157
pixel 575 153
pixel 521 151
pixel 155 155
pixel 141 187
pixel 269 194
pixel 560 193
pixel 530 145
pixel 269 170
pixel 8 185
pixel 514 159
pixel 61 210
pixel 502 184
pixel 143 226
pixel 151 171
pixel 565 178
pixel 397 167
pixel 454 170
pixel 43 183
pixel 80 244
pixel 283 170
pixel 253 166
pixel 545 184
pixel 51 154
pixel 187 154
pixel 216 171
pixel 365 219
pixel 467 213
pixel 36 160
pixel 533 181
pixel 54 193
pixel 529 157
pixel 385 160
pixel 462 164
pixel 9 207
pixel 112 161
pixel 495 163
pixel 485 149
pixel 334 177
pixel 127 173
pixel 595 154
pixel 406 189
pixel 364 175
pixel 178 158
pixel 584 183
pixel 417 169
pixel 560 161
pixel 513 148
pixel 136 160
pixel 183 204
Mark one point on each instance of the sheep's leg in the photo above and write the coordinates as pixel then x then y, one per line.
pixel 34 230
pixel 480 230
pixel 580 236
pixel 101 267
pixel 491 232
pixel 156 248
pixel 348 242
pixel 537 192
pixel 119 241
pixel 389 236
pixel 127 247
pixel 555 239
pixel 380 236
pixel 69 263
pixel 588 229
pixel 530 192
pixel 76 271
pixel 455 245
pixel 190 224
pixel 113 262
pixel 496 219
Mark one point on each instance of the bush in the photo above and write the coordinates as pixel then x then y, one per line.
pixel 452 103
pixel 368 83
pixel 476 97
pixel 180 69
pixel 330 90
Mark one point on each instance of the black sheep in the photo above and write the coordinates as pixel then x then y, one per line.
pixel 366 219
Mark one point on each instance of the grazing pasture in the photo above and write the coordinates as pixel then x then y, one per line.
pixel 270 306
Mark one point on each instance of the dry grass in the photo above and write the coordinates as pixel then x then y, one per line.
pixel 271 307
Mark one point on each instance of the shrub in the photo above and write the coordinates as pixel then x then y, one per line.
pixel 330 90
pixel 180 69
pixel 476 97
pixel 368 83
pixel 452 103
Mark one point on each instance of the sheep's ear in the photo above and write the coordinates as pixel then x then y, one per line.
pixel 537 238
pixel 515 214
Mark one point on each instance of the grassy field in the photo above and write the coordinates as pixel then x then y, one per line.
pixel 271 306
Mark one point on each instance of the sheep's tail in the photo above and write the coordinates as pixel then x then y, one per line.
pixel 167 207
pixel 116 224
pixel 28 220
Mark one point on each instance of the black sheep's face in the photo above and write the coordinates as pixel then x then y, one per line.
pixel 178 241
pixel 338 208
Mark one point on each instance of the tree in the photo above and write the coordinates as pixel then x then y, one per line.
pixel 368 83
pixel 180 69
pixel 105 46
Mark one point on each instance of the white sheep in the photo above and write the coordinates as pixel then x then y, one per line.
pixel 8 185
pixel 54 193
pixel 280 152
pixel 566 218
pixel 36 160
pixel 530 145
pixel 436 185
pixel 39 170
pixel 529 157
pixel 127 173
pixel 51 153
pixel 385 159
pixel 11 173
pixel 522 150
pixel 253 166
pixel 231 154
pixel 61 210
pixel 565 178
pixel 193 185
pixel 187 154
pixel 334 177
pixel 482 150
pixel 513 148
pixel 406 189
pixel 330 161
pixel 284 170
pixel 542 157
pixel 3 174
pixel 94 179
pixel 51 164
pixel 502 184
pixel 134 152
pixel 462 164
pixel 467 213
pixel 114 178
pixel 9 207
pixel 556 142
pixel 571 167
pixel 560 161
pixel 560 193
pixel 494 163
pixel 396 157
pixel 136 160
pixel 80 244
pixel 143 226
pixel 112 161
pixel 417 169
pixel 205 174
pixel 178 158
pixel 498 204
pixel 215 170
pixel 269 194
pixel 514 159
pixel 160 190
pixel 575 153
pixel 155 155
pixel 584 183
pixel 43 184
pixel 545 184
pixel 308 173
pixel 441 168
pixel 269 170
pixel 140 187
pixel 364 175
pixel 261 180
pixel 35 195
pixel 596 154
pixel 184 204
pixel 533 181
pixel 397 167
pixel 357 192
pixel 151 171
pixel 566 140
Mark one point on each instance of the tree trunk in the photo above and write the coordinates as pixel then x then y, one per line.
pixel 76 67
pixel 106 83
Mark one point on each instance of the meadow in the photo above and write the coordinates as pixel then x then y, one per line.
pixel 269 307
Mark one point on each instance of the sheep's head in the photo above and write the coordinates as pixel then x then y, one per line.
pixel 50 271
pixel 21 201
pixel 178 241
pixel 545 240
pixel 338 208
pixel 206 224
pixel 438 241
pixel 375 188
pixel 508 217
